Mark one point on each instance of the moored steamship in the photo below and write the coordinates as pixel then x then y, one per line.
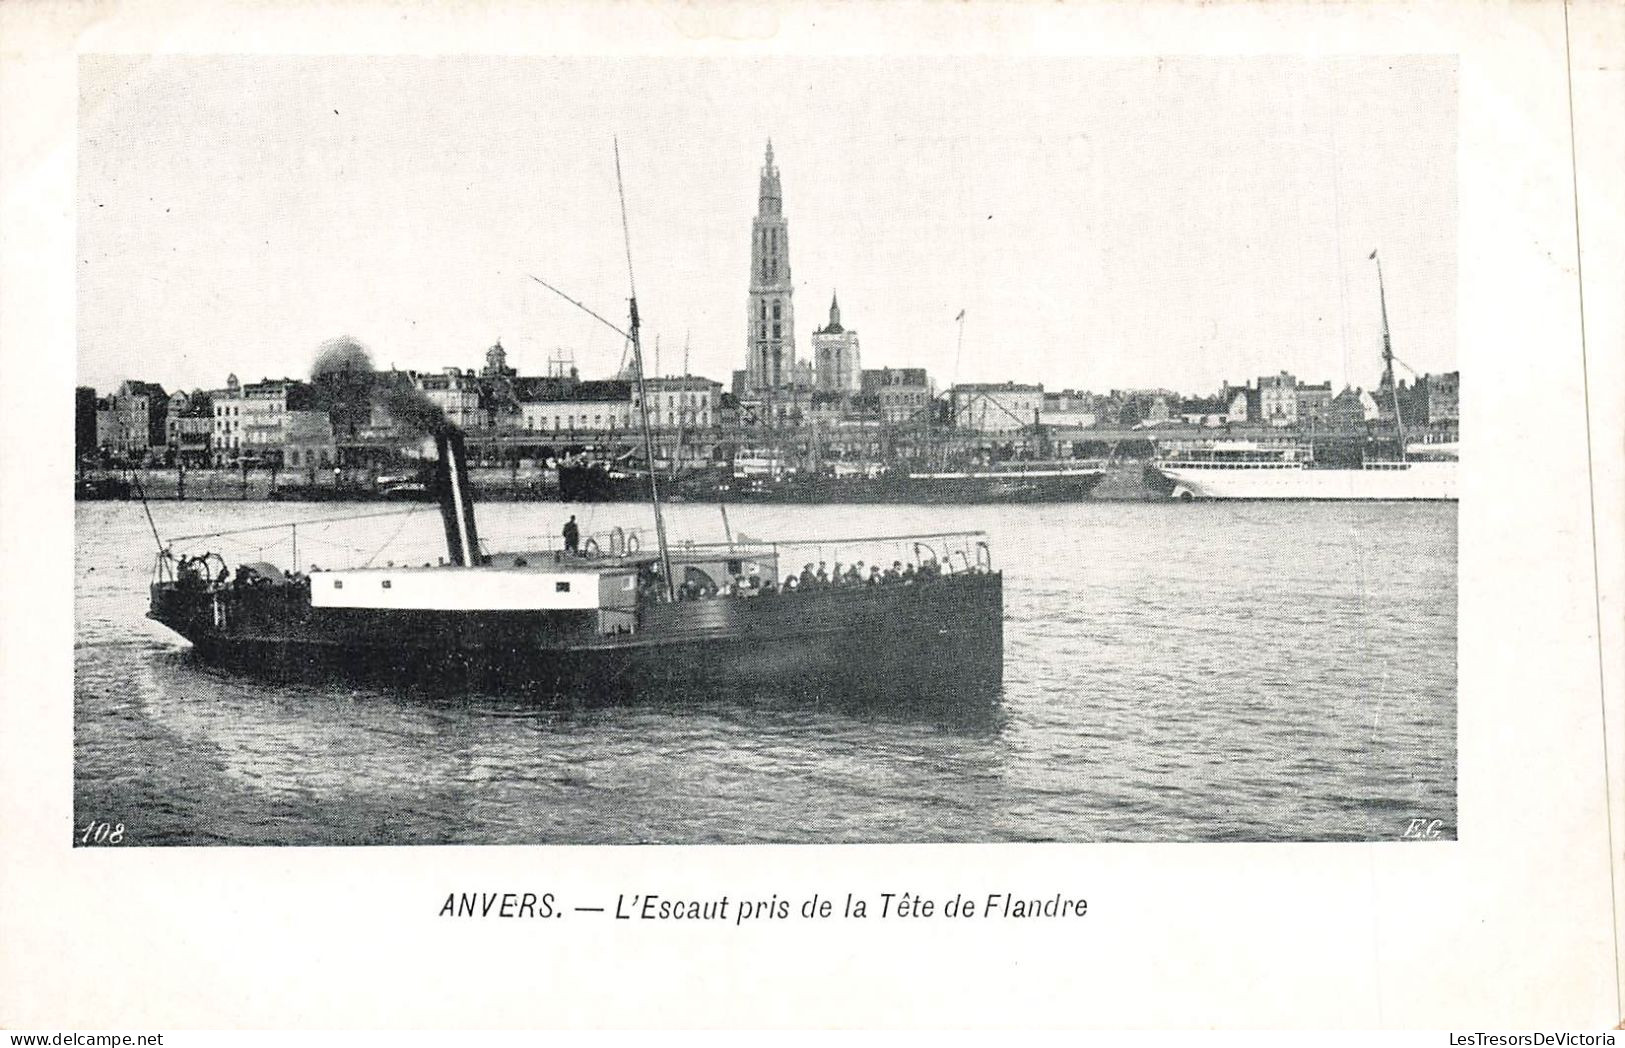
pixel 1003 483
pixel 1243 470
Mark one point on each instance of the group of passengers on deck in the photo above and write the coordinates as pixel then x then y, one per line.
pixel 811 577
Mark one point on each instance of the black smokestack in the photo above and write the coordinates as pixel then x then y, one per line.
pixel 348 385
pixel 456 504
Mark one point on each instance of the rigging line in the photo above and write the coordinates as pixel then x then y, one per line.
pixel 1407 367
pixel 392 538
pixel 581 306
pixel 291 523
pixel 851 541
pixel 142 491
pixel 1591 490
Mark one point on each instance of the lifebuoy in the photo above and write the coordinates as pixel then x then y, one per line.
pixel 632 544
pixel 589 548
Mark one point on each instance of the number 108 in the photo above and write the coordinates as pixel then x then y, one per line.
pixel 102 833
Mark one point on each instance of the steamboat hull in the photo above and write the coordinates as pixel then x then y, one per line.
pixel 892 642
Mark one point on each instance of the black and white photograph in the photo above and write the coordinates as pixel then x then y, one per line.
pixel 806 516
pixel 518 451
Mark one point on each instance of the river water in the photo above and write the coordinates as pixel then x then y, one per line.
pixel 1173 672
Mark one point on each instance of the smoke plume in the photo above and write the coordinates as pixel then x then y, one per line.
pixel 348 385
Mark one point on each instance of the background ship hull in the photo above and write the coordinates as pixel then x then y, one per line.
pixel 592 484
pixel 891 643
pixel 1418 481
pixel 935 489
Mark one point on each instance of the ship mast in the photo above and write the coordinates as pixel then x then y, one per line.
pixel 643 397
pixel 1388 359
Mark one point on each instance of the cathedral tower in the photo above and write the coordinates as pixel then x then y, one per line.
pixel 770 341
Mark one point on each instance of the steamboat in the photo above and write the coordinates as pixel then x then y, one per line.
pixel 606 618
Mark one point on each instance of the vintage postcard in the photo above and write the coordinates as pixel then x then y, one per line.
pixel 1000 476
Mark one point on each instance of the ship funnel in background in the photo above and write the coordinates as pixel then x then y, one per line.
pixel 456 500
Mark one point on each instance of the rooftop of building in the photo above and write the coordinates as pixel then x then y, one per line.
pixel 998 387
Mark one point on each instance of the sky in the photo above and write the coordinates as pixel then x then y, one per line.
pixel 1103 224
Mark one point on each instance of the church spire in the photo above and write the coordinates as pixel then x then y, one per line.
pixel 834 314
pixel 770 200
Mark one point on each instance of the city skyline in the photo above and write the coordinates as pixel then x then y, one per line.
pixel 1173 224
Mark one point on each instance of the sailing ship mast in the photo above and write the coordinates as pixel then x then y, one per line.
pixel 643 397
pixel 1388 359
pixel 637 363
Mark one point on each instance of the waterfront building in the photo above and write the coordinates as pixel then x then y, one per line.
pixel 1133 407
pixel 1430 406
pixel 1446 403
pixel 1368 404
pixel 84 423
pixel 380 426
pixel 178 402
pixel 785 405
pixel 1205 411
pixel 226 404
pixel 835 354
pixel 681 402
pixel 770 348
pixel 1069 408
pixel 84 420
pixel 1241 403
pixel 455 392
pixel 496 363
pixel 987 407
pixel 1351 409
pixel 190 428
pixel 498 403
pixel 262 418
pixel 901 395
pixel 1278 399
pixel 107 423
pixel 568 406
pixel 309 443
pixel 132 421
pixel 1313 401
pixel 1440 398
pixel 143 414
pixel 827 409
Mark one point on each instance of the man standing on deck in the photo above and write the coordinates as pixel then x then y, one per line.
pixel 572 535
